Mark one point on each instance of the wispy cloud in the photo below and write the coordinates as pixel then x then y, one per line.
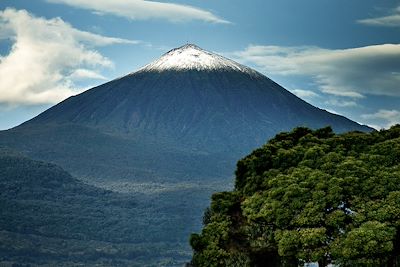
pixel 352 72
pixel 305 94
pixel 390 116
pixel 144 10
pixel 47 57
pixel 391 20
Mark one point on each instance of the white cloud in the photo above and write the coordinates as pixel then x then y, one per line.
pixel 392 117
pixel 305 94
pixel 143 10
pixel 392 20
pixel 83 74
pixel 46 58
pixel 352 72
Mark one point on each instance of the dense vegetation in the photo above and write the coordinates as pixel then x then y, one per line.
pixel 309 196
pixel 49 218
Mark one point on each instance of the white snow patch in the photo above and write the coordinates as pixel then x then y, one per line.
pixel 192 57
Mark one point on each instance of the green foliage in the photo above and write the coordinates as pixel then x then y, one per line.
pixel 369 244
pixel 309 196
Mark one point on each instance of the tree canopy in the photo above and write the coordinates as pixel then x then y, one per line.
pixel 309 196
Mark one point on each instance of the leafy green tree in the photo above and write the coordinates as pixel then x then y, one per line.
pixel 309 196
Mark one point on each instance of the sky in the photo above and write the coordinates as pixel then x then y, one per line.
pixel 342 56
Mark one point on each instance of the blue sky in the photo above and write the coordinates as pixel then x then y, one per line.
pixel 342 56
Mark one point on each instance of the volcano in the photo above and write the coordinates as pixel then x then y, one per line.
pixel 189 114
pixel 190 100
pixel 172 130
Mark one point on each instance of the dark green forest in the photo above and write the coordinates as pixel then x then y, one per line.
pixel 49 218
pixel 309 196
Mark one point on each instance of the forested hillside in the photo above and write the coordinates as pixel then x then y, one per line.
pixel 309 196
pixel 49 218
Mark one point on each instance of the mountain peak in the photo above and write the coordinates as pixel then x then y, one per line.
pixel 188 46
pixel 192 57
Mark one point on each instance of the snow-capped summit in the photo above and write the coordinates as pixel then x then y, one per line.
pixel 192 57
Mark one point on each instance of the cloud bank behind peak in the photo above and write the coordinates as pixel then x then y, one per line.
pixel 352 72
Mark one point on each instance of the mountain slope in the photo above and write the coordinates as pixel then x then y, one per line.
pixel 49 217
pixel 193 99
pixel 189 114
